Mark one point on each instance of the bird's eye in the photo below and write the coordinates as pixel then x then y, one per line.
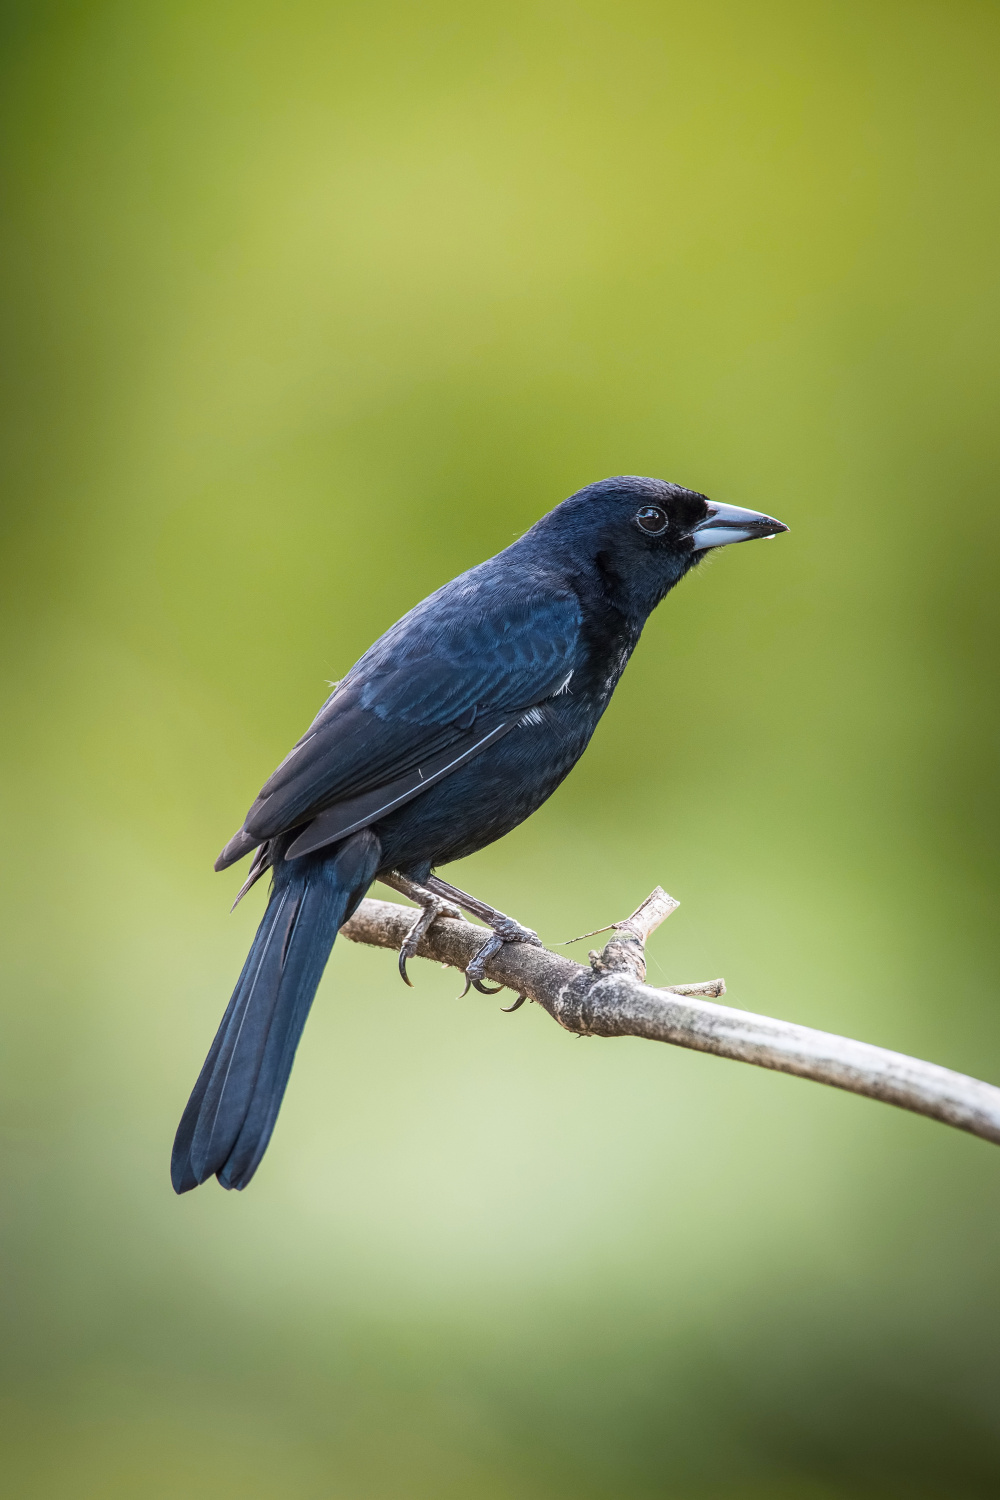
pixel 652 520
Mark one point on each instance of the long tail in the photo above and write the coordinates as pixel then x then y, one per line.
pixel 231 1113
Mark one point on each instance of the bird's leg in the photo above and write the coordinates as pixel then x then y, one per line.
pixel 431 907
pixel 505 929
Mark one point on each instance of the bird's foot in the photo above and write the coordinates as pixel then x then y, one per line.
pixel 504 930
pixel 431 907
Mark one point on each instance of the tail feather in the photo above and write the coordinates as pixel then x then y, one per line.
pixel 200 1124
pixel 234 1105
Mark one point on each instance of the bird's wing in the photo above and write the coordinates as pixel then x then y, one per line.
pixel 441 686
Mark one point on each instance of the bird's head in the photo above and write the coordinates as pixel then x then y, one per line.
pixel 643 535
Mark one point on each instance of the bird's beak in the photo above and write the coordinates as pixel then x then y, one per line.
pixel 731 523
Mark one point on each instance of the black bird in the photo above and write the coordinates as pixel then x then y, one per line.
pixel 455 726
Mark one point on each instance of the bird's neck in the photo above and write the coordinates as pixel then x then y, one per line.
pixel 611 628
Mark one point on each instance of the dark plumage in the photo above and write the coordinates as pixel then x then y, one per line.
pixel 450 730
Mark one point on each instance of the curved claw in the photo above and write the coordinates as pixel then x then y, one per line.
pixel 487 989
pixel 468 986
pixel 429 912
pixel 509 1009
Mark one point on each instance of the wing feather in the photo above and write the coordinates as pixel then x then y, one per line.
pixel 430 694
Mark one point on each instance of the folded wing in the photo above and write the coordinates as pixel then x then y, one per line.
pixel 441 686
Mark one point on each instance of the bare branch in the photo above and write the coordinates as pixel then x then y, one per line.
pixel 609 998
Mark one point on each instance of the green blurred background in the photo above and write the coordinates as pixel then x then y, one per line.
pixel 306 308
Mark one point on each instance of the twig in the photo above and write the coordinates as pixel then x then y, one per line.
pixel 609 998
